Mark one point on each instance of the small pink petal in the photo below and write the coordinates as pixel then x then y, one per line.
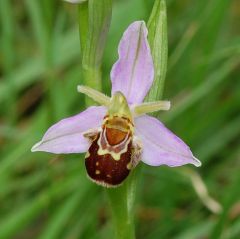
pixel 66 136
pixel 133 72
pixel 75 1
pixel 160 145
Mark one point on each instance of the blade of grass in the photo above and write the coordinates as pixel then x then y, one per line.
pixel 9 54
pixel 204 89
pixel 31 70
pixel 215 143
pixel 17 220
pixel 58 220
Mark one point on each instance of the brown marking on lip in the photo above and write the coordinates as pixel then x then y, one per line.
pixel 110 145
pixel 116 130
pixel 115 136
pixel 113 172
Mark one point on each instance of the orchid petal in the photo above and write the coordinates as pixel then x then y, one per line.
pixel 133 72
pixel 150 107
pixel 160 145
pixel 75 1
pixel 66 136
pixel 97 96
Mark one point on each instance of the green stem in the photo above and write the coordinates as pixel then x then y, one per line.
pixel 83 24
pixel 122 201
pixel 94 23
pixel 157 28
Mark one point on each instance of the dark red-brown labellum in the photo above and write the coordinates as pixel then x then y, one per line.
pixel 104 169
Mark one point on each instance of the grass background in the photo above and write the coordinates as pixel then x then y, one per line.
pixel 48 196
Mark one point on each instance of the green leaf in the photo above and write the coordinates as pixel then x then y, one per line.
pixel 16 220
pixel 56 224
pixel 93 38
pixel 157 27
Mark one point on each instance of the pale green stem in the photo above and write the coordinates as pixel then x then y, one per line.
pixel 157 28
pixel 83 25
pixel 122 201
pixel 91 74
pixel 94 21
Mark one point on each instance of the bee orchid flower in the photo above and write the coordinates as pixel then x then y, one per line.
pixel 119 134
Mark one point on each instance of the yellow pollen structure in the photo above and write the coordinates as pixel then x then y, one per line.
pixel 129 166
pixel 87 154
pixel 97 172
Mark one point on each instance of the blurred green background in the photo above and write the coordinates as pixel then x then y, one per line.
pixel 47 196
